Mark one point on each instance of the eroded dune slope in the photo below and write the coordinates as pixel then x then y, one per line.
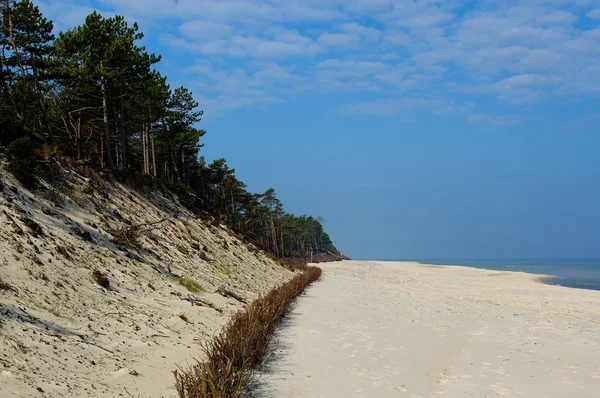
pixel 63 334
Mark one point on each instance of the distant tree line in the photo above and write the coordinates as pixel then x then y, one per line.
pixel 92 96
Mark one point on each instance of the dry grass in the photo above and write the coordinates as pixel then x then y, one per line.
pixel 235 354
pixel 190 284
pixel 128 237
pixel 224 270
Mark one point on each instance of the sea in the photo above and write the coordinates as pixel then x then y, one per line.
pixel 574 273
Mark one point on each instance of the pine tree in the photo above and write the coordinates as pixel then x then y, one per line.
pixel 25 49
pixel 102 53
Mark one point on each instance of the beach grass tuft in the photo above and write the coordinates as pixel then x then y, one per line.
pixel 190 284
pixel 234 355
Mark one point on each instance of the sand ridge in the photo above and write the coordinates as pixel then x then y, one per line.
pixel 378 329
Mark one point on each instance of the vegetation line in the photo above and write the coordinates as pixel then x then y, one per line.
pixel 92 97
pixel 234 356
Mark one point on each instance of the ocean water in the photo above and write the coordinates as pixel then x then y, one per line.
pixel 575 273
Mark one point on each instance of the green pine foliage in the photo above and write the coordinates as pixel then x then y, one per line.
pixel 92 96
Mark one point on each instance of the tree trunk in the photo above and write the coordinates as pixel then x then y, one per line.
pixel 274 237
pixel 22 113
pixel 122 129
pixel 107 150
pixel 171 154
pixel 101 150
pixel 153 157
pixel 42 100
pixel 144 149
pixel 183 179
pixel 233 220
pixel 281 246
pixel 174 163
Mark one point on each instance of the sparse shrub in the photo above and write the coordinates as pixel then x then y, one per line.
pixel 190 284
pixel 78 197
pixel 88 189
pixel 224 269
pixel 257 245
pixel 105 223
pixel 35 228
pixel 44 153
pixel 63 251
pixel 85 235
pixel 128 237
pixel 183 250
pixel 20 160
pixel 54 196
pixel 202 381
pixel 101 279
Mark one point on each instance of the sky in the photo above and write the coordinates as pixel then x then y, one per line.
pixel 417 129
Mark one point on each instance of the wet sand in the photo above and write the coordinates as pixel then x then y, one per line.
pixel 375 329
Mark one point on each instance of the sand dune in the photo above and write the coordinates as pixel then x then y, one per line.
pixel 375 329
pixel 63 335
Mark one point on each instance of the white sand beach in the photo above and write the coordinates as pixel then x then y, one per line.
pixel 377 329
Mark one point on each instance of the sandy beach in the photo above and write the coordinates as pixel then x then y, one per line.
pixel 377 329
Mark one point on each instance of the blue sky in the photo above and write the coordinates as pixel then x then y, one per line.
pixel 417 129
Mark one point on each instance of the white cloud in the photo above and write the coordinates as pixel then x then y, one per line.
pixel 594 14
pixel 238 11
pixel 339 40
pixel 203 30
pixel 479 117
pixel 154 9
pixel 510 120
pixel 274 43
pixel 352 67
pixel 65 15
pixel 522 88
pixel 513 52
pixel 366 33
pixel 500 121
pixel 395 107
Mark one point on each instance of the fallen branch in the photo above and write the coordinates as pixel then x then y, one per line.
pixel 149 224
pixel 128 235
pixel 96 345
pixel 7 286
pixel 201 303
pixel 229 294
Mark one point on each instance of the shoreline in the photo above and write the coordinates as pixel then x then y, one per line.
pixel 539 278
pixel 542 278
pixel 393 329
